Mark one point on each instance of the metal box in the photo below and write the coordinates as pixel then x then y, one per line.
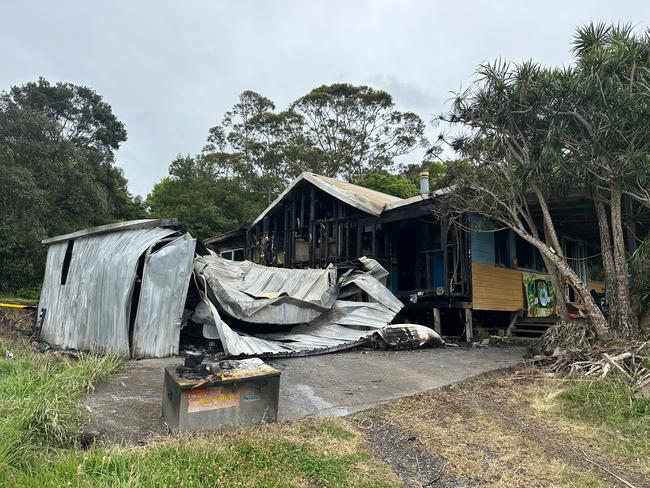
pixel 242 398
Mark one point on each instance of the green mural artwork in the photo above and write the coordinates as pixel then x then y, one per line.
pixel 540 295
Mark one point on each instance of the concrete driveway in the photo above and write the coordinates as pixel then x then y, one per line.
pixel 127 408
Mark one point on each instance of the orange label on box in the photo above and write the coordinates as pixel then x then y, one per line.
pixel 212 399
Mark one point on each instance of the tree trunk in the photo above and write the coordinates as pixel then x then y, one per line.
pixel 552 241
pixel 549 228
pixel 595 313
pixel 556 279
pixel 608 263
pixel 627 326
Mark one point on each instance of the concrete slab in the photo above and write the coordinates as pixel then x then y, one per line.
pixel 126 409
pixel 348 382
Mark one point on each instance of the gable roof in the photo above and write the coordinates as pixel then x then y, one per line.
pixel 364 199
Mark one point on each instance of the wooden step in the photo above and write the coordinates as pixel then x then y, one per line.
pixel 532 326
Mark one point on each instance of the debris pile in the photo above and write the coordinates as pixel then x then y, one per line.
pixel 631 361
pixel 574 334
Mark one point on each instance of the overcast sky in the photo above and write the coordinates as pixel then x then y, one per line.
pixel 170 69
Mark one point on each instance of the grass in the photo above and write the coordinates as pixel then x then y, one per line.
pixel 609 404
pixel 40 423
pixel 38 400
pixel 17 300
pixel 300 454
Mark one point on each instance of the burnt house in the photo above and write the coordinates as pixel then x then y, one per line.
pixel 318 221
pixel 483 276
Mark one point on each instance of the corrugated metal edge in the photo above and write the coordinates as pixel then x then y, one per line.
pixel 117 226
pixel 156 332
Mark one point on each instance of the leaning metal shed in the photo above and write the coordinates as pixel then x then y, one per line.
pixel 118 287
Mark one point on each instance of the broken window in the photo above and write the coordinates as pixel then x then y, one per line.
pixel 502 247
pixel 233 254
pixel 66 261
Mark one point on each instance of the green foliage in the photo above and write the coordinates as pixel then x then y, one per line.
pixel 356 130
pixel 57 172
pixel 337 130
pixel 391 184
pixel 437 173
pixel 606 102
pixel 205 203
pixel 38 400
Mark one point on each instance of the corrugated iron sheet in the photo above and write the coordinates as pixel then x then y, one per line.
pixel 342 324
pixel 166 277
pixel 265 295
pixel 91 310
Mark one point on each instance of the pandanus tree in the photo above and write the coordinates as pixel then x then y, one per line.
pixel 603 107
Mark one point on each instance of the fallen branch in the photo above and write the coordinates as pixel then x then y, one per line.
pixel 627 483
pixel 616 365
pixel 598 362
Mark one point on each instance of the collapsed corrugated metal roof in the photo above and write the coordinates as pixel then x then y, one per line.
pixel 312 299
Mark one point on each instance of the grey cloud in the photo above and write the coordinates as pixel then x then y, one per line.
pixel 171 68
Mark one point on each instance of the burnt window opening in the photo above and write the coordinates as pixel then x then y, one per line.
pixel 66 261
pixel 502 247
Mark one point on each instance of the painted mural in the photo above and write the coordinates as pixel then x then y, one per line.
pixel 540 295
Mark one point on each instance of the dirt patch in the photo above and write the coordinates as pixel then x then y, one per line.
pixel 405 454
pixel 17 323
pixel 492 431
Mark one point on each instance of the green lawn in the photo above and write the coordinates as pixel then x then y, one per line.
pixel 610 404
pixel 40 423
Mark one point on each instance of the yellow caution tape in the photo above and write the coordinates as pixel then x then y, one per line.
pixel 14 305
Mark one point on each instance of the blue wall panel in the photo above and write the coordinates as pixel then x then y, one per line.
pixel 483 247
pixel 482 242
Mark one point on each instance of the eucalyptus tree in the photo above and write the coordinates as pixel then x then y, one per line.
pixel 257 146
pixel 605 103
pixel 337 130
pixel 357 130
pixel 512 149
